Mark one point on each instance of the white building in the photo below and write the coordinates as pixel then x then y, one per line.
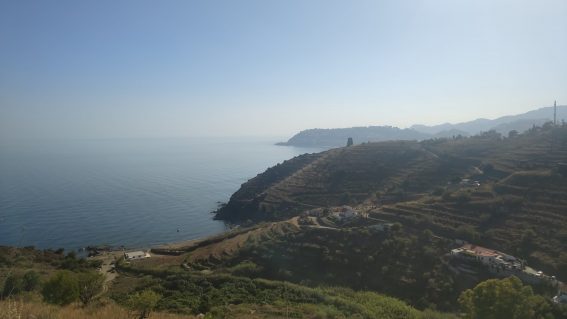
pixel 472 252
pixel 345 213
pixel 133 255
pixel 502 264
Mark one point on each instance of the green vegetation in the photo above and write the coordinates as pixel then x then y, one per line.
pixel 30 281
pixel 397 263
pixel 60 279
pixel 29 258
pixel 218 293
pixel 505 298
pixel 90 285
pixel 143 302
pixel 418 184
pixel 247 200
pixel 505 193
pixel 12 285
pixel 15 284
pixel 222 295
pixel 61 289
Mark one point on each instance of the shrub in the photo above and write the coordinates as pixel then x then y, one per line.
pixel 30 280
pixel 246 268
pixel 505 298
pixel 61 289
pixel 12 286
pixel 468 232
pixel 143 302
pixel 90 285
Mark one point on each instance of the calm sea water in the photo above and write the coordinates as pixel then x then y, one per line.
pixel 134 192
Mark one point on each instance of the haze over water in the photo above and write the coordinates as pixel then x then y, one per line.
pixel 132 192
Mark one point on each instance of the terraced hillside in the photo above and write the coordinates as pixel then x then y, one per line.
pixel 389 171
pixel 520 206
pixel 245 203
pixel 524 214
pixel 340 176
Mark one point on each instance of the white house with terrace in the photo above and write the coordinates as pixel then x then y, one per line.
pixel 501 264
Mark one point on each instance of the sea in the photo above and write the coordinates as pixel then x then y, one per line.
pixel 135 193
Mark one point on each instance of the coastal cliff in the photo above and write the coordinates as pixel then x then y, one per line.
pixel 464 188
pixel 246 203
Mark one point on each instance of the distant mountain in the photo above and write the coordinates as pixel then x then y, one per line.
pixel 519 125
pixel 520 122
pixel 338 136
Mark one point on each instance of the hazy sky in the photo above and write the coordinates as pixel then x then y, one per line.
pixel 198 68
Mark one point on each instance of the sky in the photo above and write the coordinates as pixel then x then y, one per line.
pixel 127 69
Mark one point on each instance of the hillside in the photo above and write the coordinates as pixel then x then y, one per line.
pixel 412 200
pixel 187 291
pixel 418 183
pixel 504 124
pixel 255 265
pixel 337 137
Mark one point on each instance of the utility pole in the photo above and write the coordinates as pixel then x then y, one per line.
pixel 555 113
pixel 554 124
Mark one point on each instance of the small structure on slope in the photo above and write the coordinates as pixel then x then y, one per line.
pixel 500 264
pixel 485 256
pixel 134 255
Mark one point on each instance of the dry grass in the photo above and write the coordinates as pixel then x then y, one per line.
pixel 223 248
pixel 158 262
pixel 230 246
pixel 13 309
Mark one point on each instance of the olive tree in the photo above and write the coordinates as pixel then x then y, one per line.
pixel 90 285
